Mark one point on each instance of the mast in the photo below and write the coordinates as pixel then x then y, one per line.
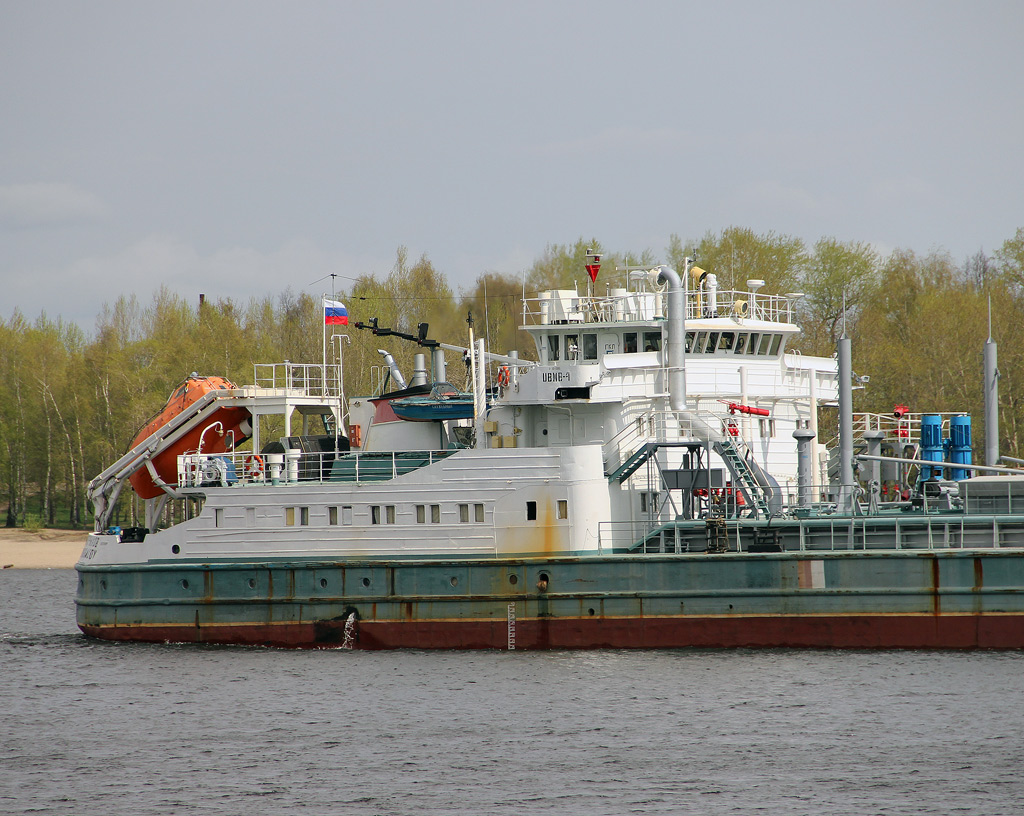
pixel 991 396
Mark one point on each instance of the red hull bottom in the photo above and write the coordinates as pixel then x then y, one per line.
pixel 991 631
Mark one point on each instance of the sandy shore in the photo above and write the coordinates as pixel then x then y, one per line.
pixel 40 549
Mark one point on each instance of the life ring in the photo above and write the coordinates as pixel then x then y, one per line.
pixel 504 376
pixel 253 466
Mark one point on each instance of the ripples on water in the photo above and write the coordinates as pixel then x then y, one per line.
pixel 97 728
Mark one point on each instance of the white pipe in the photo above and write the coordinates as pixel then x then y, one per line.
pixel 396 375
pixel 675 356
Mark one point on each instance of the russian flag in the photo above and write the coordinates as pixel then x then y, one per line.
pixel 335 313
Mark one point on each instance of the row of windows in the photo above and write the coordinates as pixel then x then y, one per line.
pixel 705 342
pixel 570 346
pixel 386 514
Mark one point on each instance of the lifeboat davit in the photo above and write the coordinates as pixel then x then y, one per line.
pixel 220 432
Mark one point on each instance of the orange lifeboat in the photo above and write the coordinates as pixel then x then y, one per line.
pixel 221 431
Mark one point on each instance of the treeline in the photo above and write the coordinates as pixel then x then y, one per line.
pixel 71 403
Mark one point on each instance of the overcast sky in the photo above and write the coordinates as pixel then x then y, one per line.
pixel 239 148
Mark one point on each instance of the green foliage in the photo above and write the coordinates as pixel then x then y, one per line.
pixel 739 254
pixel 837 279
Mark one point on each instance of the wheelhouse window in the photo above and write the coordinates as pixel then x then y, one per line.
pixel 652 341
pixel 712 343
pixel 776 342
pixel 572 346
pixel 553 340
pixel 725 343
pixel 629 342
pixel 590 347
pixel 752 346
pixel 741 343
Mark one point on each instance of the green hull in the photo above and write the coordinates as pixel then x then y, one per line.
pixel 851 599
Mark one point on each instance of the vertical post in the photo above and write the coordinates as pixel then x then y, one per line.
pixel 480 389
pixel 991 397
pixel 846 484
pixel 805 465
pixel 812 424
pixel 744 400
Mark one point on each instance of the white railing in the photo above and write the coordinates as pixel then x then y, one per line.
pixel 568 306
pixel 245 467
pixel 288 378
pixel 914 532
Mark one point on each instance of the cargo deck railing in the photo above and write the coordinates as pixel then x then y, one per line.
pixel 815 534
pixel 242 468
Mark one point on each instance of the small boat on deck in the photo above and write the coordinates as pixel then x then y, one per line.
pixel 444 402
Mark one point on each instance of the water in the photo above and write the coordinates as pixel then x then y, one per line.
pixel 95 728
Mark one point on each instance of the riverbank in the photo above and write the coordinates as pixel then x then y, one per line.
pixel 40 549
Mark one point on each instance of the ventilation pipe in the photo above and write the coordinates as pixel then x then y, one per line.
pixel 440 370
pixel 419 369
pixel 805 465
pixel 676 333
pixel 396 375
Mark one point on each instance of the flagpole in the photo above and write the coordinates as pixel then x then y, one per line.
pixel 323 329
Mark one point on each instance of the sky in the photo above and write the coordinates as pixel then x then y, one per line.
pixel 242 149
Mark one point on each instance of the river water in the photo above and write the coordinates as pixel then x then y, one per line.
pixel 88 727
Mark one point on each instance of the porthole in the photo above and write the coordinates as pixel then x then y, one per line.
pixel 103 585
pixel 513 579
pixel 175 549
pixel 252 583
pixel 184 583
pixel 454 581
pixel 366 582
pixel 323 583
pixel 591 610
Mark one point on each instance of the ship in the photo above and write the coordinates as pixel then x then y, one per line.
pixel 661 470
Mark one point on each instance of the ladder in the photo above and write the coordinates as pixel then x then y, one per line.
pixel 742 475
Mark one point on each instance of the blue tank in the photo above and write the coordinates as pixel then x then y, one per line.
pixel 931 445
pixel 960 445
